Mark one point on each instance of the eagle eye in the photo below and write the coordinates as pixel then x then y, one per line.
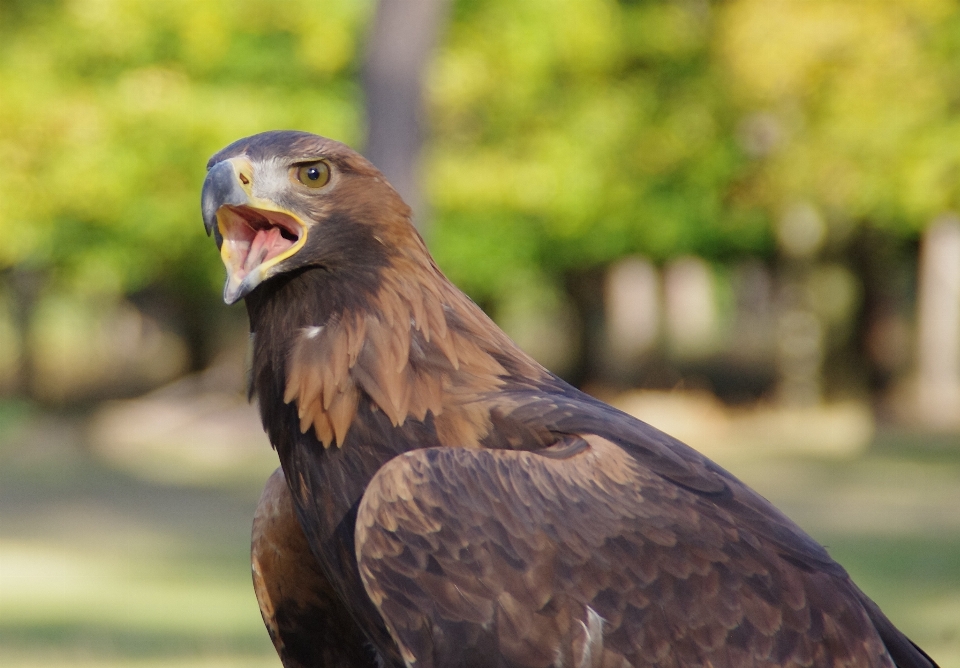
pixel 314 174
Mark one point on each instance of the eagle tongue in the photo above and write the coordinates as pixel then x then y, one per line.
pixel 263 243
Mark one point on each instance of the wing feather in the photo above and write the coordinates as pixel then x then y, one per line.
pixel 519 550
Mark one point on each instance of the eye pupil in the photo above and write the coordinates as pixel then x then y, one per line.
pixel 314 174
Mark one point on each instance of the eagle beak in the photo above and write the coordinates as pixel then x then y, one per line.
pixel 254 234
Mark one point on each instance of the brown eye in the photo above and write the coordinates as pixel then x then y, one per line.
pixel 314 174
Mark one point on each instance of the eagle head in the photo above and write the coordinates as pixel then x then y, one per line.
pixel 279 202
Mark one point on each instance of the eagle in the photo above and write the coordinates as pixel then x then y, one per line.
pixel 443 500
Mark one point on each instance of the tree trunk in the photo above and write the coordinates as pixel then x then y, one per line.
pixel 938 325
pixel 398 50
pixel 26 286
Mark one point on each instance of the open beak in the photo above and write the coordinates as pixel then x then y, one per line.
pixel 254 234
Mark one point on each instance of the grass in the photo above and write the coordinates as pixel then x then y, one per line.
pixel 99 567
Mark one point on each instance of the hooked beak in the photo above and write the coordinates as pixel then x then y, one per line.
pixel 254 234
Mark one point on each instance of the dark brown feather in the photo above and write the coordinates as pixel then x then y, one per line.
pixel 543 573
pixel 477 510
pixel 309 625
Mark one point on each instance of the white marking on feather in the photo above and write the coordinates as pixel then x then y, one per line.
pixel 593 640
pixel 312 332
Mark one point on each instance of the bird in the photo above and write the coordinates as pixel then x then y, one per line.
pixel 308 624
pixel 444 500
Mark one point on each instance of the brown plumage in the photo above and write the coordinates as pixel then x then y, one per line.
pixel 308 624
pixel 463 505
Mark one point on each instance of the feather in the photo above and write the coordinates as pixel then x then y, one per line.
pixel 306 620
pixel 477 509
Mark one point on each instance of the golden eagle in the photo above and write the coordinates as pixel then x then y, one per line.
pixel 446 501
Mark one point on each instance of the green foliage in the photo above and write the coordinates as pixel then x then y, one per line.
pixel 111 109
pixel 564 133
pixel 584 130
pixel 861 99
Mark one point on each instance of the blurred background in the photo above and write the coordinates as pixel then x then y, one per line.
pixel 736 220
